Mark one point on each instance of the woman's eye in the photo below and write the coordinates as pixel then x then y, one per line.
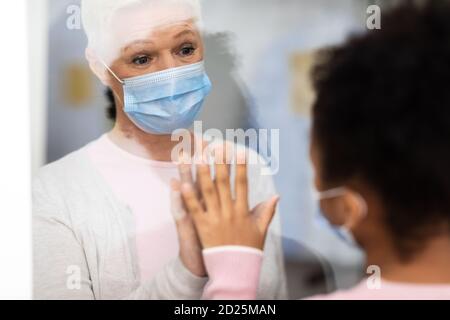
pixel 187 51
pixel 141 60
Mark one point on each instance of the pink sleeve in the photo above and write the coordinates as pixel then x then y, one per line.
pixel 233 273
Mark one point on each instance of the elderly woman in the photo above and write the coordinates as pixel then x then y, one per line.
pixel 103 222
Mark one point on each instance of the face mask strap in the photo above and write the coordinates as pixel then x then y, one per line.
pixel 112 72
pixel 337 192
pixel 116 77
pixel 332 193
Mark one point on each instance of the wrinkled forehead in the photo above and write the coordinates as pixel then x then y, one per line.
pixel 145 21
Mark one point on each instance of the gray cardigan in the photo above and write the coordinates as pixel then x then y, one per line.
pixel 84 245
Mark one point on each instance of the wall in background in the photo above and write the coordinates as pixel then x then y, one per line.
pixel 76 102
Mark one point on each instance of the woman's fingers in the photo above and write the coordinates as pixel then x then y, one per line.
pixel 241 184
pixel 185 171
pixel 176 202
pixel 208 189
pixel 223 183
pixel 191 201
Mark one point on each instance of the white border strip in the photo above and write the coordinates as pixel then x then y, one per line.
pixel 15 166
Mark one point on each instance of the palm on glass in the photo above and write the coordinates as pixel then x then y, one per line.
pixel 221 220
pixel 190 246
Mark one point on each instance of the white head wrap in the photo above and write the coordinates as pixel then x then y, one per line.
pixel 103 19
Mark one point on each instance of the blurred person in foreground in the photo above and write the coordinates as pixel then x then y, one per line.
pixel 381 152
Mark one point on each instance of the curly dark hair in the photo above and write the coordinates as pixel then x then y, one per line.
pixel 383 115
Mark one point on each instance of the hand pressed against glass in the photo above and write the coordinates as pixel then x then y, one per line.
pixel 221 220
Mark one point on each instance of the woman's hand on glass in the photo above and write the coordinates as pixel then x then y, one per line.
pixel 190 246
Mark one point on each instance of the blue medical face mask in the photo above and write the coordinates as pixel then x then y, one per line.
pixel 162 102
pixel 342 232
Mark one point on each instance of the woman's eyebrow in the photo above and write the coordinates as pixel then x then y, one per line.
pixel 183 33
pixel 137 42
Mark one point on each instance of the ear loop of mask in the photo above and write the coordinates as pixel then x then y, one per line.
pixel 117 78
pixel 329 194
pixel 112 72
pixel 344 231
pixel 337 192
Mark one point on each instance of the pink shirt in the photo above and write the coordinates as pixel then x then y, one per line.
pixel 144 186
pixel 234 273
